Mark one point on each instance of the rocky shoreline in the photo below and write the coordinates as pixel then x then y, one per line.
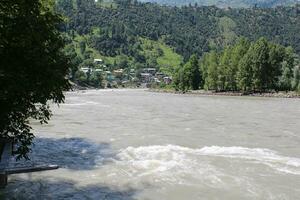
pixel 212 93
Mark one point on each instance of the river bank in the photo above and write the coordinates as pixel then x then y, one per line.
pixel 280 94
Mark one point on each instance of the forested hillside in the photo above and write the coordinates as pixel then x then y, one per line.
pixel 188 30
pixel 130 34
pixel 227 3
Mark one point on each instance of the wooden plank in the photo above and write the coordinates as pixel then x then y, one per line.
pixel 3 179
pixel 31 169
pixel 6 155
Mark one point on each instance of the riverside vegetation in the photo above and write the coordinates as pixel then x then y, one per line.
pixel 247 66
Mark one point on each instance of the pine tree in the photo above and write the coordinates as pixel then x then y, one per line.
pixel 193 66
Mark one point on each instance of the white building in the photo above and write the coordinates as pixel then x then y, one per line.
pixel 98 61
pixel 85 69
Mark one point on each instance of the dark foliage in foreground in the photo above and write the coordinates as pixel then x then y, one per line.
pixel 32 68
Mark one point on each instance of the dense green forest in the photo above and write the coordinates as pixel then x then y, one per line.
pixel 188 30
pixel 249 67
pixel 226 3
pixel 130 35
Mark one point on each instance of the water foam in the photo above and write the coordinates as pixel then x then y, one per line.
pixel 267 157
pixel 87 103
pixel 168 164
pixel 148 160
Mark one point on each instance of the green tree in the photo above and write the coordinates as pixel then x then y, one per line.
pixel 204 62
pixel 74 58
pixel 225 73
pixel 260 65
pixel 96 80
pixel 245 72
pixel 277 54
pixel 33 68
pixel 151 62
pixel 177 79
pixel 88 63
pixel 285 80
pixel 296 79
pixel 237 53
pixel 82 46
pixel 181 79
pixel 188 76
pixel 211 80
pixel 81 77
pixel 193 69
pixel 123 63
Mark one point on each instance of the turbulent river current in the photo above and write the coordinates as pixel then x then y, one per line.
pixel 134 144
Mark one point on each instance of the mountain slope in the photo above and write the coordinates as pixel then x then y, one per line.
pixel 227 3
pixel 130 33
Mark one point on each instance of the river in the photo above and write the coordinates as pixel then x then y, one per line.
pixel 134 144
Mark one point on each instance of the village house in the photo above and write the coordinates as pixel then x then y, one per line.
pixel 146 77
pixel 85 69
pixel 167 80
pixel 151 71
pixel 98 61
